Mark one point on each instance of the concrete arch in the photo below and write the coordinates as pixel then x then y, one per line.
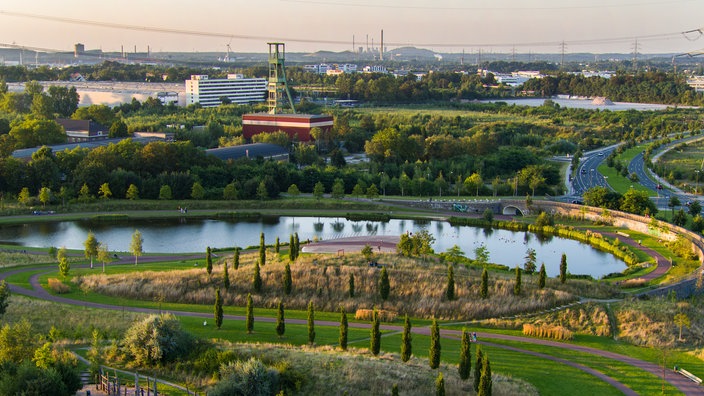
pixel 513 210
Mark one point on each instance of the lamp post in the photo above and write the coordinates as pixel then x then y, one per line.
pixel 696 186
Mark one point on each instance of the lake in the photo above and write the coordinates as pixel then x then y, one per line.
pixel 184 235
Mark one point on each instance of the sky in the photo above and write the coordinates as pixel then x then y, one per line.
pixel 454 26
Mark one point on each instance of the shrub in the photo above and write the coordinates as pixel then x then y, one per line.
pixel 554 332
pixel 368 314
pixel 58 287
pixel 249 378
pixel 156 339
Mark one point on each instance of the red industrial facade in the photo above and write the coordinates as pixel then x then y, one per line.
pixel 297 126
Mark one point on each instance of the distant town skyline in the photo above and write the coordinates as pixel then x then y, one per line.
pixel 525 26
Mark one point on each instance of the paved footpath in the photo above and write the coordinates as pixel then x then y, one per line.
pixel 683 384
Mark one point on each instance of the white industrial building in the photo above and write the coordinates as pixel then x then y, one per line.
pixel 209 92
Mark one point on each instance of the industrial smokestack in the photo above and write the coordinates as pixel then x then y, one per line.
pixel 381 48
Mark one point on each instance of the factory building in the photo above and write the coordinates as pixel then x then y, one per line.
pixel 297 126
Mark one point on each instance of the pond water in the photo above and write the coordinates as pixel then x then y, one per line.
pixel 194 235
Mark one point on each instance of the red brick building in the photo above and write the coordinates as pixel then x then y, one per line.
pixel 297 126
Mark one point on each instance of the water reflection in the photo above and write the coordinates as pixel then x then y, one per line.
pixel 181 235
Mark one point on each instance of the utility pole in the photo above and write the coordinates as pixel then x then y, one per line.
pixel 635 54
pixel 563 47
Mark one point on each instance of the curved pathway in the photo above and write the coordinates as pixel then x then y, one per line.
pixel 663 265
pixel 681 383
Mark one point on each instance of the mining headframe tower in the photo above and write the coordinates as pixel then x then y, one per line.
pixel 297 126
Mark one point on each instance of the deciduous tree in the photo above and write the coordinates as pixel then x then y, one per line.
pixel 91 247
pixel 136 245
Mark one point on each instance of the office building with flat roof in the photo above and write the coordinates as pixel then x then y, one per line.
pixel 210 91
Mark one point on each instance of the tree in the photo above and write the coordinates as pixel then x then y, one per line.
pixel 681 320
pixel 488 215
pixel 277 246
pixel 372 191
pixel 4 297
pixel 440 385
pixel 291 248
pixel 44 196
pixel 367 252
pixel 450 291
pixel 673 203
pixel 338 189
pixel 517 284
pixel 406 340
pixel 156 340
pixel 697 223
pixel 230 192
pixel 84 194
pixel 481 255
pixel 225 276
pixel 357 190
pixel 343 329
pixel 293 190
pixel 485 381
pixel 132 193
pixel 23 197
pixel 375 336
pixel 118 129
pixel 465 365
pixel 394 390
pixel 136 245
pixel 542 276
pixel 288 281
pixel 563 268
pixel 256 279
pixel 103 254
pixel 262 250
pixel 249 321
pixel 236 259
pixel 95 354
pixel 484 287
pixel 351 285
pixel 104 191
pixel 479 361
pixel 208 260
pixel 695 208
pixel 64 265
pixel 318 190
pixel 311 323
pixel 384 286
pixel 529 265
pixel 280 321
pixel 474 182
pixel 680 218
pixel 262 192
pixel 218 309
pixel 197 191
pixel 91 247
pixel 165 192
pixel 434 352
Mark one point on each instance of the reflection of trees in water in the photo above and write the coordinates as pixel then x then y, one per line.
pixel 543 239
pixel 338 226
pixel 356 227
pixel 423 223
pixel 266 219
pixel 527 236
pixel 318 227
pixel 438 226
pixel 488 231
pixel 372 228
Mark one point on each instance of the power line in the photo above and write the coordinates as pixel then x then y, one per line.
pixel 612 40
pixel 470 8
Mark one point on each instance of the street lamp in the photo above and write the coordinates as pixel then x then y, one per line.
pixel 696 186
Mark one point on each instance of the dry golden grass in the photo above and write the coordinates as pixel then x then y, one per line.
pixel 633 283
pixel 417 287
pixel 651 322
pixel 367 314
pixel 545 331
pixel 58 287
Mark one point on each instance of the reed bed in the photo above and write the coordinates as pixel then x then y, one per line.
pixel 417 287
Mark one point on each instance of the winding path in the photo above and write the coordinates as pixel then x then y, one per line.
pixel 681 383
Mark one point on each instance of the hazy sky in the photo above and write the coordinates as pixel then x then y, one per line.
pixel 597 26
